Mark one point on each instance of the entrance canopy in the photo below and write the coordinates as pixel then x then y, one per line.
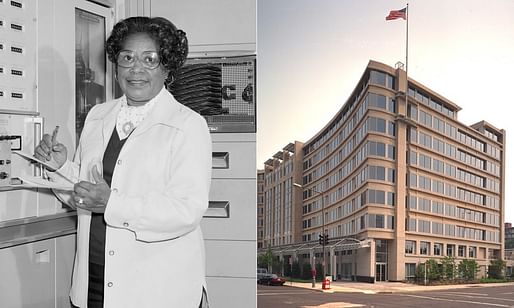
pixel 338 245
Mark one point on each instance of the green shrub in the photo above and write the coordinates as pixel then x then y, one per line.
pixel 433 270
pixel 495 269
pixel 306 271
pixel 448 268
pixel 296 271
pixel 468 269
pixel 319 271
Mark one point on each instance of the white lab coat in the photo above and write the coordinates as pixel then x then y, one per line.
pixel 154 250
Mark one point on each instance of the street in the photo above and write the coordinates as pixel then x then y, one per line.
pixel 291 297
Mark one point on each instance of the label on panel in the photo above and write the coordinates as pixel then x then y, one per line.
pixel 18 55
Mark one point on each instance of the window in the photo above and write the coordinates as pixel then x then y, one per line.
pixel 413 158
pixel 424 248
pixel 410 271
pixel 390 198
pixel 424 205
pixel 437 228
pixel 472 252
pixel 412 112
pixel 462 251
pixel 412 202
pixel 410 247
pixel 438 166
pixel 411 224
pixel 450 250
pixel 424 226
pixel 391 151
pixel 438 249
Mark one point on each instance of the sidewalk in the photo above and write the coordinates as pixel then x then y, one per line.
pixel 386 287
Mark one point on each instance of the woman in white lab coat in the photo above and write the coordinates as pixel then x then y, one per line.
pixel 142 171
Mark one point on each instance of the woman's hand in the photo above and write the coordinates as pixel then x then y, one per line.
pixel 90 196
pixel 51 151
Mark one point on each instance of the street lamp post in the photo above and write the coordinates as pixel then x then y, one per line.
pixel 322 224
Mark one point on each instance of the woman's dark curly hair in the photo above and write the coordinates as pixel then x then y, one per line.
pixel 172 42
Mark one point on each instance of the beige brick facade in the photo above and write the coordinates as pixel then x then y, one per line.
pixel 397 171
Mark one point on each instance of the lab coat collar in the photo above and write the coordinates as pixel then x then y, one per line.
pixel 166 111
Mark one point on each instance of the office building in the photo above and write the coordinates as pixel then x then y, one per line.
pixel 402 181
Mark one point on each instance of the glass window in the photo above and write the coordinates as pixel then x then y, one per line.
pixel 472 252
pixel 391 198
pixel 413 158
pixel 410 271
pixel 410 247
pixel 412 112
pixel 450 250
pixel 412 201
pixel 411 224
pixel 424 248
pixel 380 221
pixel 391 151
pixel 90 66
pixel 378 78
pixel 438 249
pixel 462 251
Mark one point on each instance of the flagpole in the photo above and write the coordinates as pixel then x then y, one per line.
pixel 407 56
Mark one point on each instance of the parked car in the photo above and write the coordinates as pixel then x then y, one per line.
pixel 271 280
pixel 261 273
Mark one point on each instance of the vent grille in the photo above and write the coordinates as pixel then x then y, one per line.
pixel 222 90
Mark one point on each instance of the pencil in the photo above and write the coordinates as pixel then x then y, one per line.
pixel 54 134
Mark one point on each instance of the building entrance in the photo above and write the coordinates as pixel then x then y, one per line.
pixel 381 271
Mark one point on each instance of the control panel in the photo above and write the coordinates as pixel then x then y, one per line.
pixel 18 55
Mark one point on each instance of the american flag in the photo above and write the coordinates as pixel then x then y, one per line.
pixel 395 14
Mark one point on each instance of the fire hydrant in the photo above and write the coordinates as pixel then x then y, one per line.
pixel 325 285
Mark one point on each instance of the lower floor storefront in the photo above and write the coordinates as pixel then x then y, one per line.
pixel 368 260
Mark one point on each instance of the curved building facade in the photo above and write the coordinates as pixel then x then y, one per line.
pixel 394 179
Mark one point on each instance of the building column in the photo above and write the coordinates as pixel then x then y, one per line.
pixel 372 258
pixel 333 262
pixel 312 257
pixel 281 259
pixel 396 247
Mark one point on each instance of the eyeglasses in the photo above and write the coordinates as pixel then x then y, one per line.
pixel 148 59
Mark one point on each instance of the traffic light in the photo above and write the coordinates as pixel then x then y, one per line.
pixel 325 239
pixel 321 239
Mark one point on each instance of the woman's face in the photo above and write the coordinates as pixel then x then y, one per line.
pixel 138 83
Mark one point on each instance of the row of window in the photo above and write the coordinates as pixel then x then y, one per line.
pixel 369 172
pixel 371 100
pixel 285 169
pixel 452 171
pixel 438 250
pixel 449 190
pixel 414 93
pixel 451 131
pixel 425 226
pixel 371 124
pixel 375 77
pixel 452 151
pixel 449 210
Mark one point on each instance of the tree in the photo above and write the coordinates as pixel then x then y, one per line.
pixel 496 269
pixel 296 271
pixel 319 272
pixel 433 270
pixel 277 265
pixel 287 269
pixel 448 268
pixel 468 269
pixel 266 260
pixel 306 271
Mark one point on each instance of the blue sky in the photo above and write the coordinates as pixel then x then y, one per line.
pixel 312 53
